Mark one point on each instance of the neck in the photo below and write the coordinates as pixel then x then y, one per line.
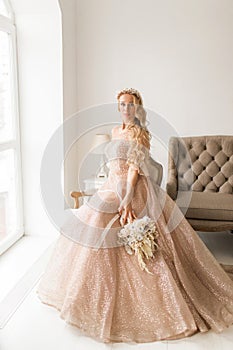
pixel 124 124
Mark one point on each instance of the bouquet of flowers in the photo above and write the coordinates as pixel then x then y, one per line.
pixel 140 237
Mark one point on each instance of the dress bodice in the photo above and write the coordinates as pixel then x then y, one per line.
pixel 116 148
pixel 122 152
pixel 116 153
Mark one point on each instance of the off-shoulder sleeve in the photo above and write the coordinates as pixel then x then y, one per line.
pixel 136 156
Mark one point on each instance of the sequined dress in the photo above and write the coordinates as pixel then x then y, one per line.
pixel 103 291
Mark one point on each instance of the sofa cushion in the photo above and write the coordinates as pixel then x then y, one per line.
pixel 206 205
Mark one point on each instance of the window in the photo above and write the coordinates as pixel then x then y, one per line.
pixel 5 9
pixel 11 209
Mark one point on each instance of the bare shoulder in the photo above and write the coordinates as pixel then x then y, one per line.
pixel 115 129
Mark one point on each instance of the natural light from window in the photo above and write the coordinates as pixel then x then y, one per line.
pixel 11 223
pixel 4 10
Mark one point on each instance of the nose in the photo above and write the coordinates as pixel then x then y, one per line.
pixel 127 107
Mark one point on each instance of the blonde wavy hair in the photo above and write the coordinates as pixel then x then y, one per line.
pixel 138 129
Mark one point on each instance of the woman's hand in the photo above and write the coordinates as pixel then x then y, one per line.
pixel 125 205
pixel 128 214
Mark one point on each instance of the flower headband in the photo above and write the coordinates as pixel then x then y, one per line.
pixel 130 91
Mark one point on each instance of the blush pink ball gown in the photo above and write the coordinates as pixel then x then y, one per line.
pixel 101 289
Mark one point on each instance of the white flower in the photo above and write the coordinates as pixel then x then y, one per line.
pixel 140 237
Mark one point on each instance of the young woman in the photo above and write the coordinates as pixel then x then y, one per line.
pixel 101 289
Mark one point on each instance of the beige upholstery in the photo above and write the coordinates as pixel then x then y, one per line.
pixel 157 170
pixel 200 179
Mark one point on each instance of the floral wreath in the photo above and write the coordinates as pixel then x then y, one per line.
pixel 130 91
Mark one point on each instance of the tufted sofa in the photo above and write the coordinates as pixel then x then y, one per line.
pixel 200 180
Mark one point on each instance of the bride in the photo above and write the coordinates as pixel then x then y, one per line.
pixel 100 288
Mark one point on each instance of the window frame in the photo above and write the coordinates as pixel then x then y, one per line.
pixel 7 24
pixel 9 9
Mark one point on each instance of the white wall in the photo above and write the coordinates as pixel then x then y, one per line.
pixel 177 53
pixel 39 39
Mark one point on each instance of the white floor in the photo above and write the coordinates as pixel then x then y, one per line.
pixel 37 326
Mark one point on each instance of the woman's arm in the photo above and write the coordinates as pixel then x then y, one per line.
pixel 125 205
pixel 132 178
pixel 135 158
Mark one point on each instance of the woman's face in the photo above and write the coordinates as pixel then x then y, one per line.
pixel 127 108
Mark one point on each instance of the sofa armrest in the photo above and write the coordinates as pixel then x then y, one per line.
pixel 172 186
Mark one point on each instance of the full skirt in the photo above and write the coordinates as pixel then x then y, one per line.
pixel 109 297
